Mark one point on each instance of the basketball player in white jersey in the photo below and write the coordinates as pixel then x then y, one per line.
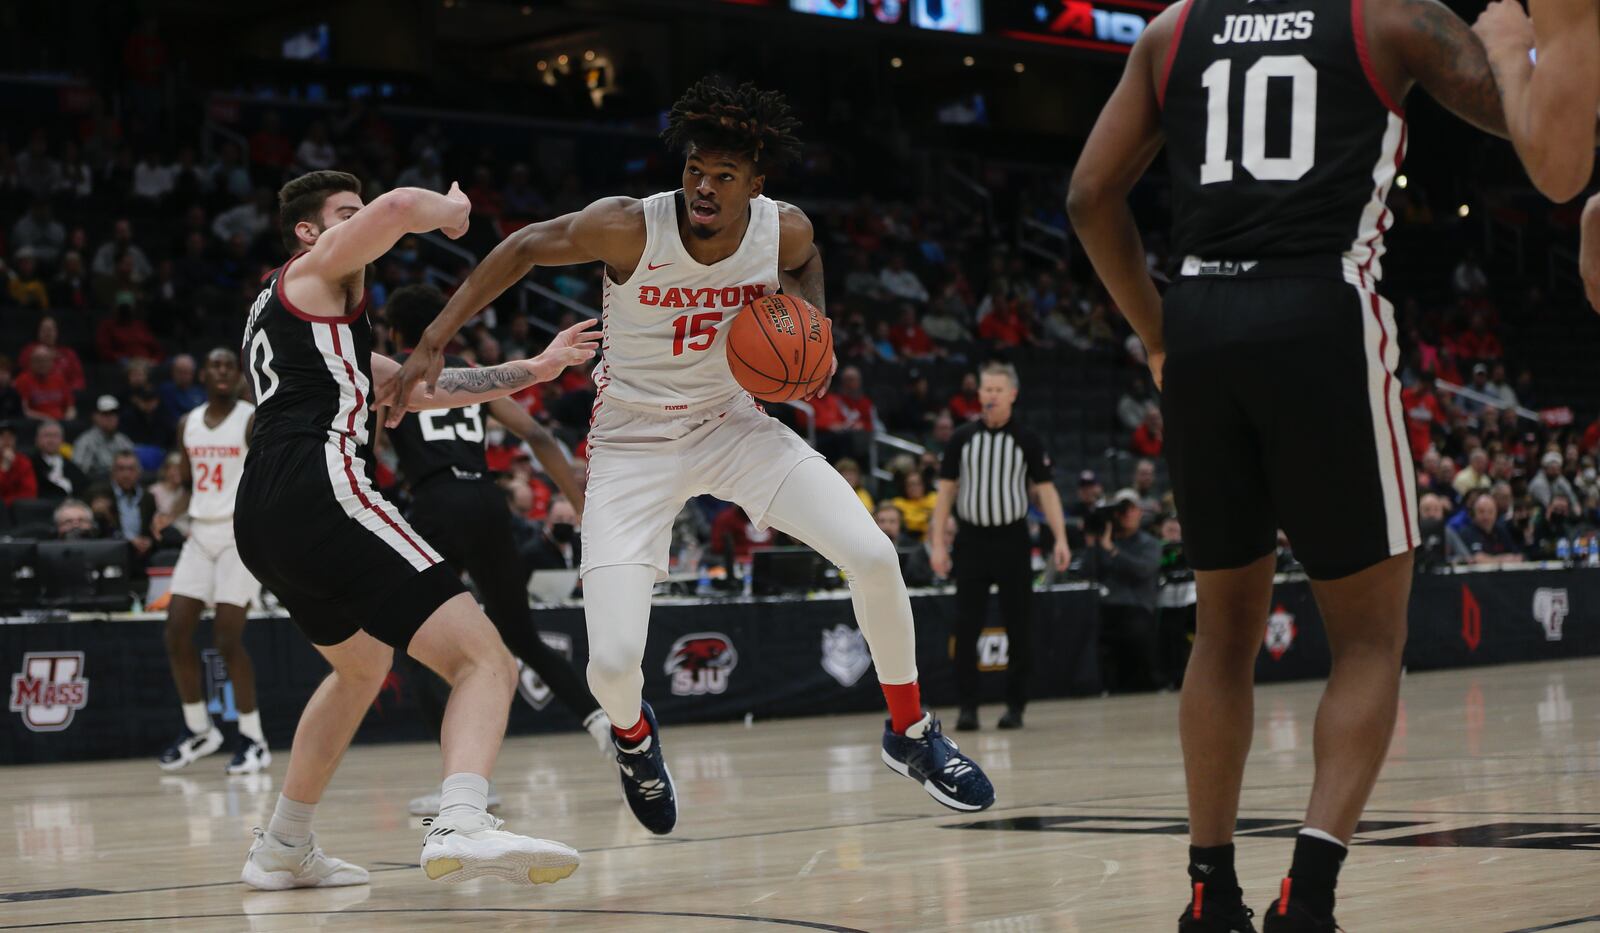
pixel 1551 106
pixel 213 441
pixel 670 422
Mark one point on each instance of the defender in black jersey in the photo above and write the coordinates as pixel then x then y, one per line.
pixel 354 576
pixel 457 506
pixel 1275 354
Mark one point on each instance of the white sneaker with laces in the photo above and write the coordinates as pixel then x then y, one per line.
pixel 190 748
pixel 459 849
pixel 273 866
pixel 599 726
pixel 428 804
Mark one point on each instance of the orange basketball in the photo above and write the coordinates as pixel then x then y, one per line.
pixel 780 348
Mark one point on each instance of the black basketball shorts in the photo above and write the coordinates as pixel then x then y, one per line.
pixel 1282 410
pixel 337 555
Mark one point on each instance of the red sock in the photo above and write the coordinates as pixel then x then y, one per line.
pixel 905 704
pixel 635 733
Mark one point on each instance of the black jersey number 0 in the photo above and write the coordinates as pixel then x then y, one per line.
pixel 1252 147
pixel 259 353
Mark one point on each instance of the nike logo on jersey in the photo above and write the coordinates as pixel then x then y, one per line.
pixel 1265 27
pixel 653 267
pixel 732 297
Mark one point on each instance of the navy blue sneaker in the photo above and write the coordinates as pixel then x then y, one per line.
pixel 646 783
pixel 924 755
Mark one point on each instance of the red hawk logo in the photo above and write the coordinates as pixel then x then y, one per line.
pixel 701 663
pixel 1280 632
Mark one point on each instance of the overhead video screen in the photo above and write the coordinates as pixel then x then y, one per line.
pixel 843 9
pixel 948 15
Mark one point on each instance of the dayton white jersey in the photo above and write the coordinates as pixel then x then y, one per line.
pixel 663 340
pixel 216 460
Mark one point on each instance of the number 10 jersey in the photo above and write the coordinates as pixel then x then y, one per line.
pixel 1281 142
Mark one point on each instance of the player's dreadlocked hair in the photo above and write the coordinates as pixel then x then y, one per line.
pixel 746 119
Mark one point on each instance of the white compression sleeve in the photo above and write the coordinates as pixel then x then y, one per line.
pixel 616 607
pixel 815 505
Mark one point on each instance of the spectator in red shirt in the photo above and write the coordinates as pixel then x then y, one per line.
pixel 125 336
pixel 845 418
pixel 269 148
pixel 910 341
pixel 732 532
pixel 1423 411
pixel 1479 343
pixel 45 394
pixel 16 471
pixel 964 405
pixel 67 363
pixel 1148 436
pixel 1003 325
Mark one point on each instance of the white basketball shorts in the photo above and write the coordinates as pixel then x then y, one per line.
pixel 643 467
pixel 209 568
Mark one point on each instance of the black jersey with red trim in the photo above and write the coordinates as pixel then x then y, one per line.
pixel 1281 143
pixel 312 375
pixel 443 440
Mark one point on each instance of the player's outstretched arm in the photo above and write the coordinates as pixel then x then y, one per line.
pixel 550 455
pixel 1589 251
pixel 1550 107
pixel 1423 42
pixel 1124 141
pixel 605 231
pixel 348 247
pixel 458 387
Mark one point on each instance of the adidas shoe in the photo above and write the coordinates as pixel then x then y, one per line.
pixel 926 756
pixel 251 757
pixel 189 748
pixel 1288 916
pixel 646 783
pixel 273 866
pixel 459 849
pixel 428 804
pixel 1210 915
pixel 599 726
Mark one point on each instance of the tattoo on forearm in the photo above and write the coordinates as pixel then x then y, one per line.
pixel 490 379
pixel 1455 68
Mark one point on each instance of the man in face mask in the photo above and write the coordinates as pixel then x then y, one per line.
pixel 559 548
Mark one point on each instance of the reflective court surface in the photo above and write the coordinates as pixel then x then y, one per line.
pixel 1487 819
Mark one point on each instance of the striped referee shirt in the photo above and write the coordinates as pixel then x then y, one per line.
pixel 995 467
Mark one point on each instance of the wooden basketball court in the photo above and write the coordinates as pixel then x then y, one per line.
pixel 1487 819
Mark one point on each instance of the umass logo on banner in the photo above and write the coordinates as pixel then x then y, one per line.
pixel 50 689
pixel 701 663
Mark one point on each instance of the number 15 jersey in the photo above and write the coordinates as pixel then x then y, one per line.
pixel 663 343
pixel 1281 142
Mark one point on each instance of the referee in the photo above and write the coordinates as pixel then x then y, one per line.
pixel 988 469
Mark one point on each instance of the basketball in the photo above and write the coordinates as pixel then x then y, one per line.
pixel 780 348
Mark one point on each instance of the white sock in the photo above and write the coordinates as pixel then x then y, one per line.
pixel 463 794
pixel 196 718
pixel 291 822
pixel 1319 834
pixel 250 726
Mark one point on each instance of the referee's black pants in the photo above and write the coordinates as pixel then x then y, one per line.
pixel 1001 556
pixel 467 522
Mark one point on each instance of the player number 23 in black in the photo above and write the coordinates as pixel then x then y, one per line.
pixel 1253 157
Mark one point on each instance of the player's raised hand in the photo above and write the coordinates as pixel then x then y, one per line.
pixel 423 365
pixel 1505 30
pixel 572 347
pixel 457 195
